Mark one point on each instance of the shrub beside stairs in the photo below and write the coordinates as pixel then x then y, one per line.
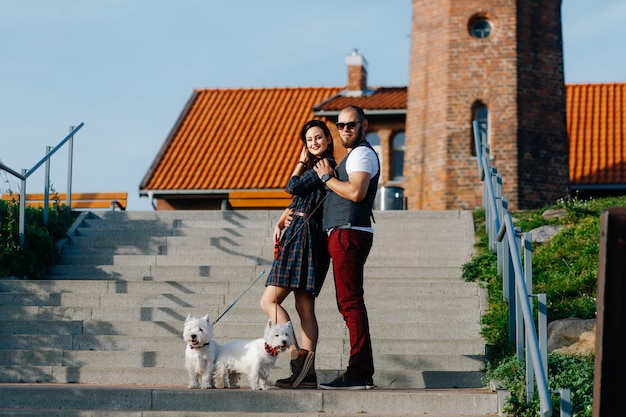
pixel 102 335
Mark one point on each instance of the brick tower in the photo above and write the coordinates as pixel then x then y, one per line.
pixel 500 61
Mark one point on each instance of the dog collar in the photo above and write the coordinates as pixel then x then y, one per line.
pixel 272 351
pixel 199 347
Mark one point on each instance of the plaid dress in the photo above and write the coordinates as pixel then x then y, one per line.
pixel 304 260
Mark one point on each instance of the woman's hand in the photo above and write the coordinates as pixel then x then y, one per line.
pixel 277 232
pixel 304 155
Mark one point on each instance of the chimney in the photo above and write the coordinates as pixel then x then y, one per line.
pixel 357 73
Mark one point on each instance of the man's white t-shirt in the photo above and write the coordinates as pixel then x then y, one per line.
pixel 362 159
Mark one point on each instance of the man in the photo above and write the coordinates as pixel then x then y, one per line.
pixel 347 219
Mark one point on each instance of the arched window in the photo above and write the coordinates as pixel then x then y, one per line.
pixel 397 152
pixel 374 140
pixel 481 115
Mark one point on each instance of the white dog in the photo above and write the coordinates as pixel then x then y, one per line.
pixel 201 351
pixel 254 358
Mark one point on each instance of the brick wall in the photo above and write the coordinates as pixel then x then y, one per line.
pixel 543 145
pixel 451 72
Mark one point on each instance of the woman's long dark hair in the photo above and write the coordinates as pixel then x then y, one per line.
pixel 329 151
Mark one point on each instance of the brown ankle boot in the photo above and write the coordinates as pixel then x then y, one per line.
pixel 301 368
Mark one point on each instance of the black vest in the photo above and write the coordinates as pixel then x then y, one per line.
pixel 339 211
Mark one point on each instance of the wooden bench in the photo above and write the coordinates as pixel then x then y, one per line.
pixel 79 200
pixel 260 199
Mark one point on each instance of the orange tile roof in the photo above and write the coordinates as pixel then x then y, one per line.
pixel 596 125
pixel 235 139
pixel 383 98
pixel 248 138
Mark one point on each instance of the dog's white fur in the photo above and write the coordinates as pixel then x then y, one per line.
pixel 200 352
pixel 250 358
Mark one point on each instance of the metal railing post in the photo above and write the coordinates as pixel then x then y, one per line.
pixel 22 217
pixel 519 319
pixel 502 247
pixel 527 247
pixel 566 402
pixel 70 157
pixel 46 188
pixel 542 323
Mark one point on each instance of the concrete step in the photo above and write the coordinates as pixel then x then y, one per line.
pixel 259 247
pixel 391 287
pixel 212 303
pixel 175 360
pixel 400 331
pixel 122 233
pixel 165 260
pixel 385 379
pixel 415 260
pixel 158 273
pixel 175 345
pixel 203 272
pixel 430 267
pixel 432 312
pixel 175 400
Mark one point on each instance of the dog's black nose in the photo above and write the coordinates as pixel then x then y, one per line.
pixel 193 337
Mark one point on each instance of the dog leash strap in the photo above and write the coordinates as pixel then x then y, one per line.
pixel 240 295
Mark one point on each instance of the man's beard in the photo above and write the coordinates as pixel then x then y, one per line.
pixel 353 141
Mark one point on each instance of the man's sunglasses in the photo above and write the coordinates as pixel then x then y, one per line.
pixel 349 125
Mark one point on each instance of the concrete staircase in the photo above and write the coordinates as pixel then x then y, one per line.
pixel 102 335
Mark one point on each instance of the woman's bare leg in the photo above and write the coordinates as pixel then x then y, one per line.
pixel 271 304
pixel 305 306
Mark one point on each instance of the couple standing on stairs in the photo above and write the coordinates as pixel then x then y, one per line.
pixel 341 230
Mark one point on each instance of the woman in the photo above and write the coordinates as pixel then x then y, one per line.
pixel 302 263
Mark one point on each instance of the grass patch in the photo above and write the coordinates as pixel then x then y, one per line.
pixel 566 269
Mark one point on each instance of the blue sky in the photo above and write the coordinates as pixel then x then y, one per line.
pixel 126 68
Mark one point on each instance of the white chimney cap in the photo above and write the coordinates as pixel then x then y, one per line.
pixel 356 59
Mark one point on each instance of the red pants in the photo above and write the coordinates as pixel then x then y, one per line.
pixel 349 249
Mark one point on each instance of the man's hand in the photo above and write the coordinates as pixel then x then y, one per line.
pixel 323 167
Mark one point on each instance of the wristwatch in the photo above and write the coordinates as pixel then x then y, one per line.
pixel 326 177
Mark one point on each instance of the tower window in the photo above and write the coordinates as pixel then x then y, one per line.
pixel 481 115
pixel 397 153
pixel 480 27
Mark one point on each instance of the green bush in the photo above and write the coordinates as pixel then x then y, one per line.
pixel 564 371
pixel 39 250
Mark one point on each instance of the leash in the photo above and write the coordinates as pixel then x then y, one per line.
pixel 240 295
pixel 277 251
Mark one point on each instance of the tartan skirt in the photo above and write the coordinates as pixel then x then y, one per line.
pixel 303 261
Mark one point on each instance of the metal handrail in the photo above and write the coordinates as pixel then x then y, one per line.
pixel 532 340
pixel 27 173
pixel 499 225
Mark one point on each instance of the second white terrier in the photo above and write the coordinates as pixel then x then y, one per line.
pixel 200 352
pixel 253 358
